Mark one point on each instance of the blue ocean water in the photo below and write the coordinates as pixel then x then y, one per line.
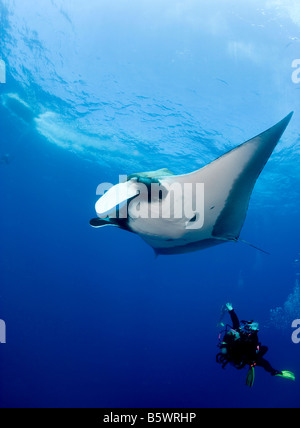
pixel 102 88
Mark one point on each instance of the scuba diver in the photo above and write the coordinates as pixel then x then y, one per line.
pixel 240 347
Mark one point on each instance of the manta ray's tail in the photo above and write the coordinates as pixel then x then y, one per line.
pixel 253 246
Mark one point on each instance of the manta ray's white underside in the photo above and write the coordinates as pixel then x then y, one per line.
pixel 218 194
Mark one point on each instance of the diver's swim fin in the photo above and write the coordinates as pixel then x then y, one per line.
pixel 287 375
pixel 250 377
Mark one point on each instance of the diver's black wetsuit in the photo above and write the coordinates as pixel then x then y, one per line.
pixel 247 349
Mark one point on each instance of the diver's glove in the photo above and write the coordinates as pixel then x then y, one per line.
pixel 225 308
pixel 229 307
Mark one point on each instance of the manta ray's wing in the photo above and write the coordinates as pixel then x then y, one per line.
pixel 152 175
pixel 236 174
pixel 228 185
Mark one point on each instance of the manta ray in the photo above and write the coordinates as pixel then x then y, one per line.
pixel 177 214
